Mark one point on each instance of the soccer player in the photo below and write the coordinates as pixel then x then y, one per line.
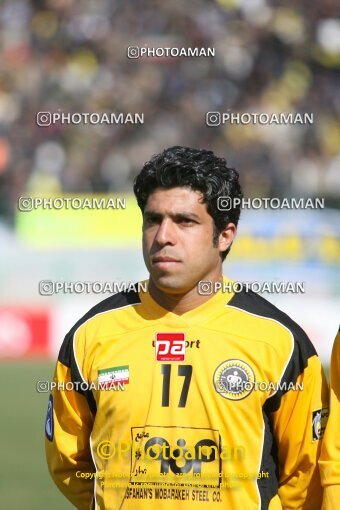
pixel 330 453
pixel 195 394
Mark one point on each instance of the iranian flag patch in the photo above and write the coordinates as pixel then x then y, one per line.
pixel 110 378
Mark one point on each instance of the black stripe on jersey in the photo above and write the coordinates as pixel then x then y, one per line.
pixel 303 349
pixel 268 483
pixel 66 354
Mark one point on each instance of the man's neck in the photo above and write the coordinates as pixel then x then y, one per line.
pixel 181 303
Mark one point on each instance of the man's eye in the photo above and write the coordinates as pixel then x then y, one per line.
pixel 151 221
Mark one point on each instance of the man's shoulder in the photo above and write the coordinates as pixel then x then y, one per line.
pixel 113 303
pixel 257 306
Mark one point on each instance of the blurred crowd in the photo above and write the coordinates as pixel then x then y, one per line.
pixel 70 56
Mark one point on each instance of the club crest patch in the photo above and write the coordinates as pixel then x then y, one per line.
pixel 49 424
pixel 234 379
pixel 319 421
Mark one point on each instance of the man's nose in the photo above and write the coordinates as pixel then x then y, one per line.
pixel 165 232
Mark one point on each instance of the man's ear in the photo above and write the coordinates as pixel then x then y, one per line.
pixel 227 236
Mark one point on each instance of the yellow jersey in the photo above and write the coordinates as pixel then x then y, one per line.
pixel 222 407
pixel 330 454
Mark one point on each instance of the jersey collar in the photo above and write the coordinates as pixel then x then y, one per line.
pixel 203 313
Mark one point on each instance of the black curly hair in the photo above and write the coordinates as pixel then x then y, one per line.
pixel 198 169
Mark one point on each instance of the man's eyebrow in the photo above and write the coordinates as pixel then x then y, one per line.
pixel 188 215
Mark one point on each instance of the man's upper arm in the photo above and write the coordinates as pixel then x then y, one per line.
pixel 69 424
pixel 298 424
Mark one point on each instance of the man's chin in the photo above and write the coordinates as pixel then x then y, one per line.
pixel 170 284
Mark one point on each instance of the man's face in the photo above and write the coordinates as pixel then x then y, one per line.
pixel 178 240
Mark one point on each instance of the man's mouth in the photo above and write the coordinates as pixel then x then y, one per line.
pixel 164 261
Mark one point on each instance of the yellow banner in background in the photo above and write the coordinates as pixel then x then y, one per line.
pixel 286 248
pixel 80 221
pixel 112 221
